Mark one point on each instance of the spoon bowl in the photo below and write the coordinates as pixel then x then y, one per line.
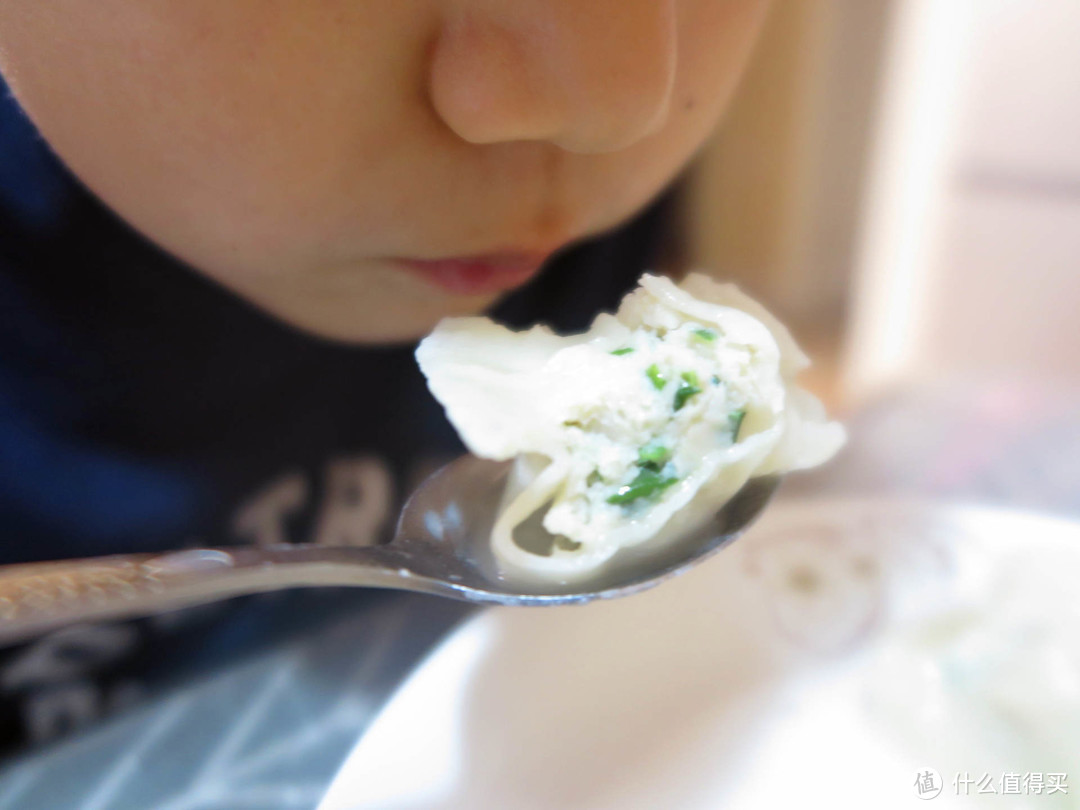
pixel 441 547
pixel 447 524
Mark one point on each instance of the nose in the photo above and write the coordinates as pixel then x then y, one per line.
pixel 585 75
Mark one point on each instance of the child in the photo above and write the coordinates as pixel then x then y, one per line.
pixel 205 337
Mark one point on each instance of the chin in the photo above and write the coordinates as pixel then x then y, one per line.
pixel 367 322
pixel 354 304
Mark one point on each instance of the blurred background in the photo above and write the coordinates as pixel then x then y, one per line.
pixel 900 180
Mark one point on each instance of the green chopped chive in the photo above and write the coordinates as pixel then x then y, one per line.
pixel 708 335
pixel 623 350
pixel 656 376
pixel 735 420
pixel 594 478
pixel 689 386
pixel 647 482
pixel 653 456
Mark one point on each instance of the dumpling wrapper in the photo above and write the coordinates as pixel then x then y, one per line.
pixel 579 418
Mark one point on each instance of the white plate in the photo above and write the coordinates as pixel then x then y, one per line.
pixel 780 674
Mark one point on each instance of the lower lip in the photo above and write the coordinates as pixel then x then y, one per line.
pixel 477 275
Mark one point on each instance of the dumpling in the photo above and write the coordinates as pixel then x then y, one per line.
pixel 634 430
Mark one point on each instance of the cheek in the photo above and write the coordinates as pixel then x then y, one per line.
pixel 219 128
pixel 716 41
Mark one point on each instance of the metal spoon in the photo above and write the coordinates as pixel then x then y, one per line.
pixel 441 547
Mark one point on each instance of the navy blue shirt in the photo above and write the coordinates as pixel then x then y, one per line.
pixel 144 408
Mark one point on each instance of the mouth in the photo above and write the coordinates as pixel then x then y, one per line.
pixel 477 275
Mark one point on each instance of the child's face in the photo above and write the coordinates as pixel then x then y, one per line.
pixel 301 152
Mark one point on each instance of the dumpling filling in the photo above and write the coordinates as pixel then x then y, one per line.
pixel 633 430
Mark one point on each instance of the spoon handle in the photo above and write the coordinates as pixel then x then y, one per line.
pixel 35 597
